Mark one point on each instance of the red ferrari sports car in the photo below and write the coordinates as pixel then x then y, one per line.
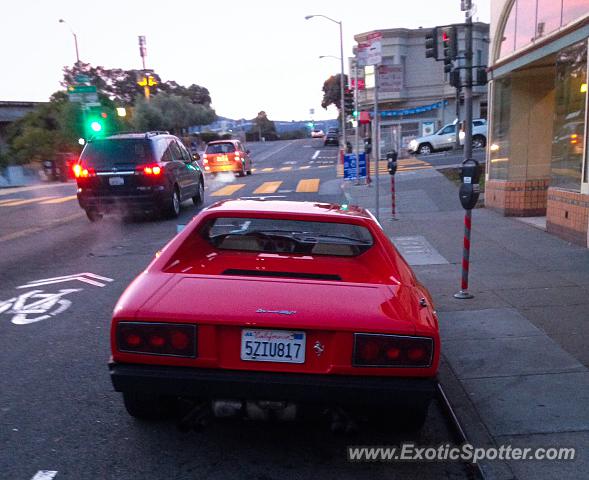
pixel 268 308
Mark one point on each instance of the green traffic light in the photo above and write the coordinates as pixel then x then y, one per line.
pixel 96 126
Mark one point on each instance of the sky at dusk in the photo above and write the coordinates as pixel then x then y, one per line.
pixel 251 55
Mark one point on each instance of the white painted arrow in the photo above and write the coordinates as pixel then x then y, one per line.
pixel 82 277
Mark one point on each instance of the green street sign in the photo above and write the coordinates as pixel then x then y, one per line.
pixel 82 89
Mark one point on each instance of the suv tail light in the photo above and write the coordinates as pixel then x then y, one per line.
pixel 83 172
pixel 151 170
pixel 373 350
pixel 173 339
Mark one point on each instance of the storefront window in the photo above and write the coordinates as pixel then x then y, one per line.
pixel 549 13
pixel 525 29
pixel 499 148
pixel 508 40
pixel 569 117
pixel 573 9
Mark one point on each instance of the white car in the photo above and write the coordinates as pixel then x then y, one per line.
pixel 445 138
pixel 317 133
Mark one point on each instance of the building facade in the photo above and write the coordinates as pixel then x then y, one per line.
pixel 414 96
pixel 537 153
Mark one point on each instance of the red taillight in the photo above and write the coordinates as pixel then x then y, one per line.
pixel 157 338
pixel 151 170
pixel 372 350
pixel 82 172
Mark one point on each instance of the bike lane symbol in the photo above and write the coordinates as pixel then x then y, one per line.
pixel 36 302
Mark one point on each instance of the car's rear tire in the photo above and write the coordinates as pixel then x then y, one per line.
pixel 478 141
pixel 425 149
pixel 242 172
pixel 94 216
pixel 145 406
pixel 199 198
pixel 173 207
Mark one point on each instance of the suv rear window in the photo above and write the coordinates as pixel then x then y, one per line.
pixel 221 148
pixel 288 236
pixel 109 153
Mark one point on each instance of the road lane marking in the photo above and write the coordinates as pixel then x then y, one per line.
pixel 7 200
pixel 316 154
pixel 45 475
pixel 254 170
pixel 273 152
pixel 59 200
pixel 82 277
pixel 228 190
pixel 285 169
pixel 8 191
pixel 324 166
pixel 308 185
pixel 26 201
pixel 268 169
pixel 268 187
pixel 29 231
pixel 305 167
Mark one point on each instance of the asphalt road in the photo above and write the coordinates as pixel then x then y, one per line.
pixel 58 410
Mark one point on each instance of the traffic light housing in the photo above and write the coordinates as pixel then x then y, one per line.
pixel 455 78
pixel 450 42
pixel 481 76
pixel 348 102
pixel 448 65
pixel 431 43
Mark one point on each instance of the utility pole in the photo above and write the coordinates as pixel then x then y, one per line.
pixel 357 123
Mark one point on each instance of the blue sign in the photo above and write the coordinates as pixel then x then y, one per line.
pixel 411 111
pixel 350 166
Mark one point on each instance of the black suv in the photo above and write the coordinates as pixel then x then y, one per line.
pixel 135 173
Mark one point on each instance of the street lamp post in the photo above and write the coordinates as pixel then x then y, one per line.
pixel 342 105
pixel 61 20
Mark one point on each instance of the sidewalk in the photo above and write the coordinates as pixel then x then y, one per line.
pixel 515 364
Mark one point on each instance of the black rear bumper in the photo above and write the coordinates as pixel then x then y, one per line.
pixel 122 203
pixel 247 385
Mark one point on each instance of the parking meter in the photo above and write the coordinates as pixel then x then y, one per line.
pixel 368 146
pixel 469 192
pixel 349 148
pixel 392 162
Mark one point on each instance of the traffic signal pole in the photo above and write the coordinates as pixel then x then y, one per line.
pixel 357 124
pixel 376 141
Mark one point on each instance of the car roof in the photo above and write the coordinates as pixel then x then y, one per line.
pixel 261 205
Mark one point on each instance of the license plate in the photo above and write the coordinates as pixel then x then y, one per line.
pixel 273 346
pixel 116 181
pixel 223 158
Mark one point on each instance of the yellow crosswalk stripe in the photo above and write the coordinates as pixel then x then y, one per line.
pixel 325 166
pixel 17 203
pixel 308 185
pixel 254 170
pixel 305 167
pixel 228 190
pixel 285 169
pixel 267 169
pixel 59 200
pixel 268 187
pixel 8 200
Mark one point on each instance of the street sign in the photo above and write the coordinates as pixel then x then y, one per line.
pixel 82 89
pixel 362 54
pixel 374 53
pixel 82 78
pixel 350 166
pixel 82 97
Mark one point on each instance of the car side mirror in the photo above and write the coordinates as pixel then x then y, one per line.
pixel 195 156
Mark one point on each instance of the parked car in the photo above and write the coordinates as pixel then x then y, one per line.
pixel 227 156
pixel 317 133
pixel 137 172
pixel 445 138
pixel 265 308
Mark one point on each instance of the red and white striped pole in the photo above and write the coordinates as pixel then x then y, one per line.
pixel 463 293
pixel 393 199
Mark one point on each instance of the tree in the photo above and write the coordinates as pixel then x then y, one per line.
pixel 263 127
pixel 170 112
pixel 332 91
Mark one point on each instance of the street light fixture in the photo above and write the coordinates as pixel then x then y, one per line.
pixel 61 20
pixel 341 44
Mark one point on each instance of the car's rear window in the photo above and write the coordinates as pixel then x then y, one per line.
pixel 109 153
pixel 220 148
pixel 288 236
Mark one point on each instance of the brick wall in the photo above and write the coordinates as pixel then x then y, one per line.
pixel 568 214
pixel 525 198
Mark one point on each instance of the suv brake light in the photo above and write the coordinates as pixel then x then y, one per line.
pixel 373 350
pixel 151 170
pixel 82 172
pixel 172 339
